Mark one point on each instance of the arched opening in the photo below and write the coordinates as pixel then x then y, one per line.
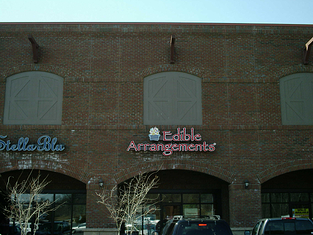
pixel 68 194
pixel 188 193
pixel 290 194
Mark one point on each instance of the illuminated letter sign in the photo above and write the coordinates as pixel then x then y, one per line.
pixel 44 143
pixel 173 142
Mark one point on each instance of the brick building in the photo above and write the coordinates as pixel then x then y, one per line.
pixel 232 102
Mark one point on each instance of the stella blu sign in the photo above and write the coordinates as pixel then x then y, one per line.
pixel 193 144
pixel 44 143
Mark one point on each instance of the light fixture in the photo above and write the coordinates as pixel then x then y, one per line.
pixel 246 184
pixel 101 183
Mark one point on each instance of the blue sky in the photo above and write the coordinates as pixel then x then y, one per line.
pixel 195 11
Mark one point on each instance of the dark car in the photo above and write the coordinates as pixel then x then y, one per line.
pixel 284 226
pixel 59 228
pixel 203 226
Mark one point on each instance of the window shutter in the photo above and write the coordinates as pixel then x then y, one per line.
pixel 296 99
pixel 172 98
pixel 158 99
pixel 48 99
pixel 188 100
pixel 33 98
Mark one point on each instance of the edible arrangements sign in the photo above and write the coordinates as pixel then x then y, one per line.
pixel 194 142
pixel 44 143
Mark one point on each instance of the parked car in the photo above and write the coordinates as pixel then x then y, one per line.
pixel 203 226
pixel 284 226
pixel 78 228
pixel 28 227
pixel 59 228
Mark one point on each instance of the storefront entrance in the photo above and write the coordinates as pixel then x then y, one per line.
pixel 68 210
pixel 187 204
pixel 187 193
pixel 190 205
pixel 290 194
pixel 171 210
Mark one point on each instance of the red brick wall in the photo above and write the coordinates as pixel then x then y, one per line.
pixel 103 66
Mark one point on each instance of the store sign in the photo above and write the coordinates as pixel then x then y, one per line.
pixel 193 142
pixel 191 212
pixel 300 213
pixel 44 143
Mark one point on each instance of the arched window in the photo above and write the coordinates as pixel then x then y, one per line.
pixel 296 93
pixel 33 98
pixel 172 98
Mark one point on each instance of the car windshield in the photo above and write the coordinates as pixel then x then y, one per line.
pixel 203 228
pixel 289 226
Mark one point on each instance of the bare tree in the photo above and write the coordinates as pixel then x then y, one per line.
pixel 128 202
pixel 25 204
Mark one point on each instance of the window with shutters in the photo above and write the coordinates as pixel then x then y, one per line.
pixel 296 92
pixel 33 98
pixel 172 98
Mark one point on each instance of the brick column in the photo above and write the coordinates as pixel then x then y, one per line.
pixel 245 205
pixel 97 216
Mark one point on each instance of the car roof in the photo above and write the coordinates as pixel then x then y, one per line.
pixel 177 218
pixel 284 219
pixel 199 220
pixel 288 218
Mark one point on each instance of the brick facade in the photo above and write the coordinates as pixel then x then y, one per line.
pixel 104 65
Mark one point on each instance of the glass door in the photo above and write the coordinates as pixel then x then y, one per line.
pixel 170 210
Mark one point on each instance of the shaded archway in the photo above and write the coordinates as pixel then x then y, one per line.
pixel 188 193
pixel 288 194
pixel 58 182
pixel 189 180
pixel 67 193
pixel 207 169
pixel 284 168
